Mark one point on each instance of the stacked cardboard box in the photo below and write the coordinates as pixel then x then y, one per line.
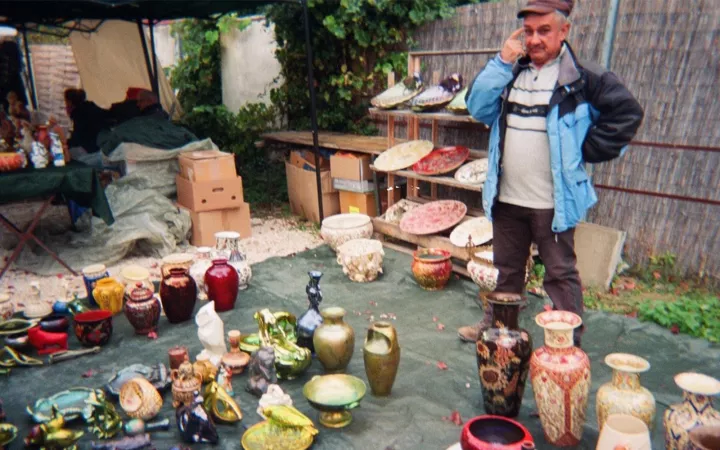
pixel 351 176
pixel 210 189
pixel 302 186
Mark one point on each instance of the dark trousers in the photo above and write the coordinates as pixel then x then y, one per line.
pixel 514 229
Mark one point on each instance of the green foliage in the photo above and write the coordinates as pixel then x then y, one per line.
pixel 695 315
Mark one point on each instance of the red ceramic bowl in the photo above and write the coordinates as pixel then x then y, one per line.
pixel 93 327
pixel 10 161
pixel 496 433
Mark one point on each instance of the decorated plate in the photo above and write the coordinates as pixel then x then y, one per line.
pixel 474 172
pixel 398 94
pixel 457 105
pixel 480 228
pixel 442 160
pixel 433 217
pixel 402 155
pixel 264 435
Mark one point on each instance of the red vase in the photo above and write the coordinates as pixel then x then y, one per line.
pixel 221 280
pixel 495 433
pixel 178 293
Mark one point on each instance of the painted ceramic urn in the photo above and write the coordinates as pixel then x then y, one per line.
pixel 334 340
pixel 560 376
pixel 432 268
pixel 178 293
pixel 381 354
pixel 142 309
pixel 221 281
pixel 624 395
pixel 503 356
pixel 695 410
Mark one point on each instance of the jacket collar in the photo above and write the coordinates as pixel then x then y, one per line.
pixel 569 68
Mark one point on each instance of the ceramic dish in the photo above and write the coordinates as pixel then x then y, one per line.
pixel 442 160
pixel 264 435
pixel 10 161
pixel 14 326
pixel 435 97
pixel 71 404
pixel 474 172
pixel 479 228
pixel 8 433
pixel 402 155
pixel 457 105
pixel 157 375
pixel 433 217
pixel 398 94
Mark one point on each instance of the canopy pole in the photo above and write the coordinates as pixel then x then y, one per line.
pixel 154 81
pixel 31 77
pixel 145 52
pixel 313 107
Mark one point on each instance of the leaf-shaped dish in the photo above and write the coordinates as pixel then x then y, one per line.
pixel 13 326
pixel 442 160
pixel 71 404
pixel 398 94
pixel 480 228
pixel 474 172
pixel 435 97
pixel 157 375
pixel 457 105
pixel 265 435
pixel 402 155
pixel 433 217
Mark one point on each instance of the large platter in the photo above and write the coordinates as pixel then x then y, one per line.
pixel 433 217
pixel 442 160
pixel 71 404
pixel 474 172
pixel 398 94
pixel 402 155
pixel 265 435
pixel 480 228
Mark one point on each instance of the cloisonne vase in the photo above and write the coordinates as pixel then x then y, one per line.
pixel 221 281
pixel 503 356
pixel 624 395
pixel 560 376
pixel 178 293
pixel 310 319
pixel 696 409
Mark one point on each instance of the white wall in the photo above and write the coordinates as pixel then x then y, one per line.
pixel 249 67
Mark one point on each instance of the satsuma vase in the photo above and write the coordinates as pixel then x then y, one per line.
pixel 381 354
pixel 178 293
pixel 560 376
pixel 221 281
pixel 696 409
pixel 142 309
pixel 623 431
pixel 495 433
pixel 228 243
pixel 334 340
pixel 503 356
pixel 108 294
pixel 431 268
pixel 624 395
pixel 91 274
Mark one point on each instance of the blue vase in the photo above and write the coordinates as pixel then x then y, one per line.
pixel 310 319
pixel 91 275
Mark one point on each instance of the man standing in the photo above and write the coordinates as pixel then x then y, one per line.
pixel 550 114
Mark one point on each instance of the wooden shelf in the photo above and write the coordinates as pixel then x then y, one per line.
pixel 439 116
pixel 427 241
pixel 372 145
pixel 445 181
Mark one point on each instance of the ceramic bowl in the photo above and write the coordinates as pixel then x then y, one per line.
pixel 55 324
pixel 341 228
pixel 17 341
pixel 431 268
pixel 489 431
pixel 334 396
pixel 93 327
pixel 361 259
pixel 483 275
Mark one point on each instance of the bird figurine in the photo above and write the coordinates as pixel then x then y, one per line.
pixel 220 404
pixel 285 416
pixel 274 396
pixel 194 422
pixel 53 434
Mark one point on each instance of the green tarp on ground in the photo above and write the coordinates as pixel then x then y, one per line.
pixel 412 418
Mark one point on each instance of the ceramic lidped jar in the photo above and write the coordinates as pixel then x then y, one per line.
pixel 221 281
pixel 503 356
pixel 381 354
pixel 132 275
pixel 432 268
pixel 695 410
pixel 142 309
pixel 202 263
pixel 334 340
pixel 108 294
pixel 624 395
pixel 178 293
pixel 560 375
pixel 91 274
pixel 7 307
pixel 228 243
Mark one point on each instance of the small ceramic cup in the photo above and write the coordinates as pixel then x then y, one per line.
pixel 177 356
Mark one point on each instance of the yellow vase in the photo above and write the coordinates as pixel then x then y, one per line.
pixel 108 294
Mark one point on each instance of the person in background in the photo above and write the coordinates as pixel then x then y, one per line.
pixel 149 105
pixel 88 120
pixel 550 114
pixel 17 107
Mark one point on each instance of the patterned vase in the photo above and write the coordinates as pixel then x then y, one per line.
pixel 178 293
pixel 560 376
pixel 108 294
pixel 228 243
pixel 431 268
pixel 91 274
pixel 503 356
pixel 624 395
pixel 221 281
pixel 381 354
pixel 202 263
pixel 142 309
pixel 695 410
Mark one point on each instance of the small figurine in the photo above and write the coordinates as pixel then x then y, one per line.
pixel 52 434
pixel 56 150
pixel 211 332
pixel 47 343
pixel 220 404
pixel 273 397
pixel 224 379
pixel 262 371
pixel 39 155
pixel 139 442
pixel 195 424
pixel 288 417
pixel 136 427
pixel 185 383
pixel 105 420
pixel 310 319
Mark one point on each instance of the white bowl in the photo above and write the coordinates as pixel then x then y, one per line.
pixel 341 228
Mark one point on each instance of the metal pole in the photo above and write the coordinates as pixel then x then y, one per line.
pixel 31 78
pixel 154 81
pixel 609 39
pixel 313 106
pixel 145 51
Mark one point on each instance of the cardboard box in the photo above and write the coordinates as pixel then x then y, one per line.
pixel 302 191
pixel 305 159
pixel 209 195
pixel 208 165
pixel 206 223
pixel 356 202
pixel 350 166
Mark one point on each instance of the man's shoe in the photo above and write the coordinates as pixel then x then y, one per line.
pixel 470 333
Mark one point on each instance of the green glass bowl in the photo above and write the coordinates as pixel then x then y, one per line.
pixel 334 396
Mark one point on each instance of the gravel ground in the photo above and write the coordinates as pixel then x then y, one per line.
pixel 274 234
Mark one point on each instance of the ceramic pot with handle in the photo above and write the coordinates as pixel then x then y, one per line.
pixel 381 354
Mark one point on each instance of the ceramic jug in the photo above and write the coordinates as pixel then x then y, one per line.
pixel 334 340
pixel 381 354
pixel 178 293
pixel 108 294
